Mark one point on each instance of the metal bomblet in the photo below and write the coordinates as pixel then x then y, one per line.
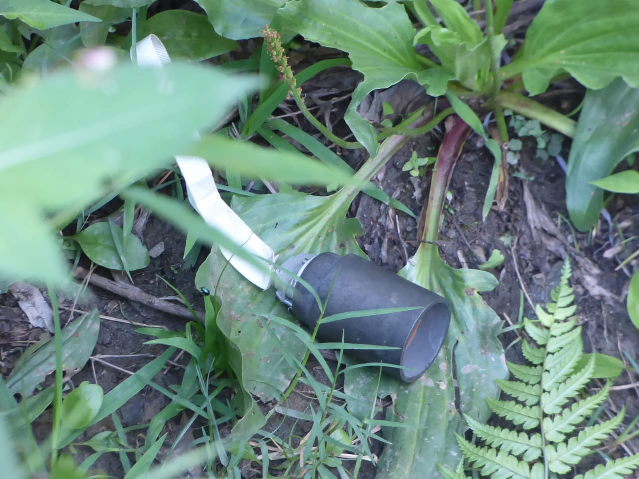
pixel 351 283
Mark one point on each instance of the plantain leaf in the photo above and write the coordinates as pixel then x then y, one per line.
pixel 599 146
pixel 78 340
pixel 592 40
pixel 429 403
pixel 240 19
pixel 187 35
pixel 383 59
pixel 291 223
pixel 624 182
pixel 98 243
pixel 42 14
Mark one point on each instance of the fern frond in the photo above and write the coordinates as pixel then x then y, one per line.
pixel 562 454
pixel 554 359
pixel 531 353
pixel 506 440
pixel 498 465
pixel 563 327
pixel 528 374
pixel 552 401
pixel 613 470
pixel 561 368
pixel 545 318
pixel 555 429
pixel 555 343
pixel 456 474
pixel 526 393
pixel 540 335
pixel 524 416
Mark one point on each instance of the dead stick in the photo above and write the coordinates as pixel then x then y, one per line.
pixel 134 293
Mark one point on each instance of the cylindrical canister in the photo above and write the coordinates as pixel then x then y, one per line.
pixel 351 283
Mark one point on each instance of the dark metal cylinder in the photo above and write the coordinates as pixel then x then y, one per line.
pixel 350 283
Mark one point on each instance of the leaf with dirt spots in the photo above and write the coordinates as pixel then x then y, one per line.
pixel 606 134
pixel 291 223
pixel 78 340
pixel 472 355
pixel 379 42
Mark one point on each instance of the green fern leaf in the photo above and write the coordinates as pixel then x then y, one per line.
pixel 498 465
pixel 560 370
pixel 534 355
pixel 555 429
pixel 563 454
pixel 544 318
pixel 555 359
pixel 559 329
pixel 528 374
pixel 552 401
pixel 540 335
pixel 613 470
pixel 506 440
pixel 527 393
pixel 457 474
pixel 555 343
pixel 566 312
pixel 524 416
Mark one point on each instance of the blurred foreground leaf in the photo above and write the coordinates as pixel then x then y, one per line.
pixel 70 139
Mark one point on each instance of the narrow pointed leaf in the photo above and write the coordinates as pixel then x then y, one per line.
pixel 599 146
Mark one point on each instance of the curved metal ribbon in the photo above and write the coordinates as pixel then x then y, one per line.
pixel 203 194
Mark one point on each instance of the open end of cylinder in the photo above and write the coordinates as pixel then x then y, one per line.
pixel 425 341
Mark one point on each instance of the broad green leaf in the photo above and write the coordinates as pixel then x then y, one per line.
pixel 70 139
pixel 121 3
pixel 633 299
pixel 606 367
pixel 383 59
pixel 96 34
pixel 81 405
pixel 496 259
pixel 592 40
pixel 251 161
pixel 598 146
pixel 187 35
pixel 240 19
pixel 98 244
pixel 5 43
pixel 58 49
pixel 624 182
pixel 457 20
pixel 291 223
pixel 78 340
pixel 502 9
pixel 429 402
pixel 42 14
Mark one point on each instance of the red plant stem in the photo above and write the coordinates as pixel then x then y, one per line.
pixel 457 132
